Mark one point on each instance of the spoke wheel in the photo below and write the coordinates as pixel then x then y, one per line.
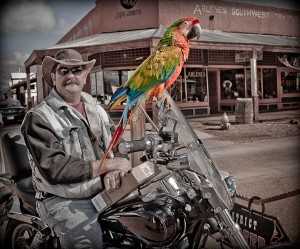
pixel 22 236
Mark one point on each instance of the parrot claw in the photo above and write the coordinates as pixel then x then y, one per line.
pixel 163 108
pixel 162 98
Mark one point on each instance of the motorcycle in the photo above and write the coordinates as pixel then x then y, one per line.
pixel 176 198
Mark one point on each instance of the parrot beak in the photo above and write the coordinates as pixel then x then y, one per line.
pixel 194 32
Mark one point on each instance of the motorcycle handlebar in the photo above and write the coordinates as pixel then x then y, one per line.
pixel 146 143
pixel 128 147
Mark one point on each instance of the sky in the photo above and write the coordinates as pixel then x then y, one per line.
pixel 26 25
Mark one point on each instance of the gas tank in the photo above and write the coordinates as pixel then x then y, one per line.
pixel 157 223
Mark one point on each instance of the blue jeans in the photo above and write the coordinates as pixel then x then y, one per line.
pixel 75 221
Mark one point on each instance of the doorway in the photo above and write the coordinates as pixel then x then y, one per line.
pixel 213 91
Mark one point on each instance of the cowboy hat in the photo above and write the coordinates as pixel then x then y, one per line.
pixel 68 57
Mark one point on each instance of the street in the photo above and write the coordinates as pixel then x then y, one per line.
pixel 265 168
pixel 261 168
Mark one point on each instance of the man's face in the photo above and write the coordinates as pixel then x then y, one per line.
pixel 69 80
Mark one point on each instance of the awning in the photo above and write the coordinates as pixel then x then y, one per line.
pixel 207 36
pixel 22 83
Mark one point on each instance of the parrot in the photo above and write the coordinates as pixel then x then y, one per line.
pixel 155 74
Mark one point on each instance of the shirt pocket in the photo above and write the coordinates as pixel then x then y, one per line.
pixel 71 141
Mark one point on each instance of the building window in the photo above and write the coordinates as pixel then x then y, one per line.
pixel 269 83
pixel 232 84
pixel 112 80
pixel 290 82
pixel 266 83
pixel 177 89
pixel 125 57
pixel 196 85
pixel 105 83
pixel 97 89
pixel 191 88
pixel 221 57
pixel 248 83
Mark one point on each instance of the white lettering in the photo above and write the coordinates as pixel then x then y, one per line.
pixel 288 18
pixel 245 223
pixel 195 74
pixel 242 220
pixel 197 9
pixel 250 13
pixel 200 9
pixel 254 224
pixel 209 9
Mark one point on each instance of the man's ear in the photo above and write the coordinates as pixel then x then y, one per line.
pixel 53 78
pixel 85 76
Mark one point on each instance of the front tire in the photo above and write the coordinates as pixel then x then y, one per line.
pixel 22 236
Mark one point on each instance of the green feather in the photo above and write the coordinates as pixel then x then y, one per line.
pixel 155 68
pixel 159 64
pixel 168 35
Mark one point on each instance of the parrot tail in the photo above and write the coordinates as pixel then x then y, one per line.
pixel 119 96
pixel 117 136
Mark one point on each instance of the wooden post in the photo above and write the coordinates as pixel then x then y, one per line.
pixel 138 131
pixel 29 101
pixel 154 112
pixel 254 85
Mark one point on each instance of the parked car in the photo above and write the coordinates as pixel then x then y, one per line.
pixel 12 110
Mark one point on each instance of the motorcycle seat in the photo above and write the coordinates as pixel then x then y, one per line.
pixel 25 184
pixel 16 158
pixel 17 165
pixel 26 194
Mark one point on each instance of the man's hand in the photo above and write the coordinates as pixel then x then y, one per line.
pixel 112 179
pixel 111 164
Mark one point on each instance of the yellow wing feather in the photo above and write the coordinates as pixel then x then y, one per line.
pixel 155 68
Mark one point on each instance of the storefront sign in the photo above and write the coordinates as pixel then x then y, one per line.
pixel 243 56
pixel 195 74
pixel 241 12
pixel 128 4
pixel 122 14
pixel 258 230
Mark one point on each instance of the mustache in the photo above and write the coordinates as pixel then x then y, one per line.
pixel 70 81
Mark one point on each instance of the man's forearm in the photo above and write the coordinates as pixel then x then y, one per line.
pixel 110 164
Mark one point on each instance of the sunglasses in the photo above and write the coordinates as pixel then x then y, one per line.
pixel 65 71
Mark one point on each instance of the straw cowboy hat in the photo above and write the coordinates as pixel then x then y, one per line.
pixel 68 57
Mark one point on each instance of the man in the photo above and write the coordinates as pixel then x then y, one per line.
pixel 66 135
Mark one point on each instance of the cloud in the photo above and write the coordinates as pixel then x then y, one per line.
pixel 11 62
pixel 63 27
pixel 26 25
pixel 25 16
pixel 17 58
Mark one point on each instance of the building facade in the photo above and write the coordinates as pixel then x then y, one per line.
pixel 244 51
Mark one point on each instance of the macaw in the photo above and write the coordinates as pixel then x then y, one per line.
pixel 156 73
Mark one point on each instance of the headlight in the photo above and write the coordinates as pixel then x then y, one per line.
pixel 230 183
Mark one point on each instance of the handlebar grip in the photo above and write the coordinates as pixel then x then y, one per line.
pixel 128 147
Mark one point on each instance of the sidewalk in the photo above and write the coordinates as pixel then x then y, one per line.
pixel 269 125
pixel 264 116
pixel 213 120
